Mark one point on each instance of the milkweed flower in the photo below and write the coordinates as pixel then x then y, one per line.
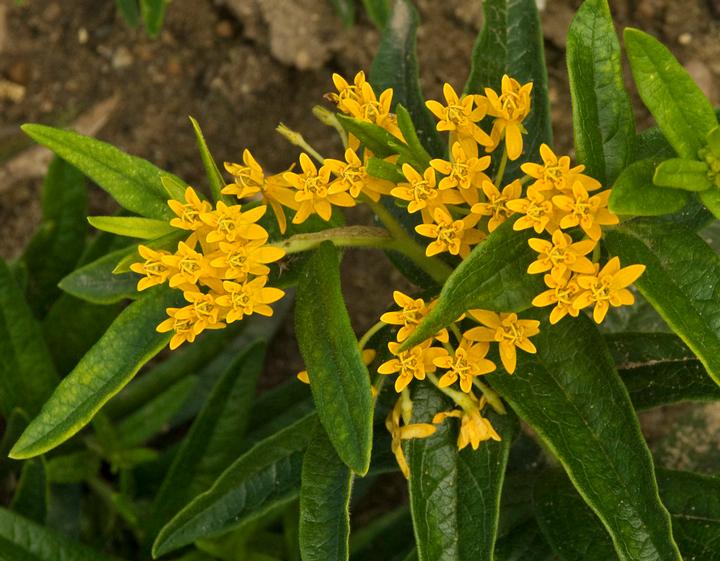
pixel 411 313
pixel 250 297
pixel 353 178
pixel 413 363
pixel 555 173
pixel 453 236
pixel 496 202
pixel 407 431
pixel 561 255
pixel 539 212
pixel 186 325
pixel 422 193
pixel 585 211
pixel 189 212
pixel 463 172
pixel 562 292
pixel 153 269
pixel 509 110
pixel 474 428
pixel 467 362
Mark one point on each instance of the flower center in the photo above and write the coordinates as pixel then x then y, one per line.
pixel 189 266
pixel 316 187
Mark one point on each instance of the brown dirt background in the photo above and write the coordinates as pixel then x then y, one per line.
pixel 242 66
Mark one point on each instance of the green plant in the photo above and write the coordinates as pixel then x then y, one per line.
pixel 151 13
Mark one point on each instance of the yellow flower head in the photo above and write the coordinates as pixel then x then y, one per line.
pixel 509 109
pixel 250 297
pixel 230 223
pixel 588 212
pixel 463 172
pixel 407 431
pixel 608 287
pixel 155 271
pixel 188 322
pixel 411 364
pixel 346 91
pixel 312 193
pixel 206 311
pixel 412 312
pixel 352 177
pixel 508 331
pixel 467 362
pixel 454 236
pixel 243 258
pixel 538 212
pixel 556 174
pixel 249 178
pixel 496 206
pixel 188 213
pixel 190 267
pixel 562 292
pixel 474 428
pixel 422 192
pixel 359 100
pixel 561 255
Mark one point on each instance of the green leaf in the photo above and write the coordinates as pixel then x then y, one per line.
pixel 388 537
pixel 132 226
pixel 378 11
pixel 682 282
pixel 168 242
pixel 511 42
pixel 689 175
pixel 54 249
pixel 603 119
pixel 133 182
pixel 24 540
pixel 267 475
pixel 214 440
pixel 345 9
pixel 75 467
pixel 493 277
pixel 339 380
pixel 129 10
pixel 711 199
pixel 379 141
pixel 395 66
pixel 598 440
pixel 659 369
pixel 383 169
pixel 27 374
pixel 31 495
pixel 525 543
pixel 215 178
pixel 634 193
pixel 111 363
pixel 174 186
pixel 455 495
pixel 410 135
pixel 153 14
pixel 683 113
pixel 324 502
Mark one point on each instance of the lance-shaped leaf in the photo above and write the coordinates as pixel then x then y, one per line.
pixel 677 173
pixel 27 373
pixel 214 440
pixel 493 277
pixel 659 369
pixel 133 182
pixel 98 284
pixel 379 141
pixel 132 226
pixel 153 14
pixel 395 66
pixel 455 495
pixel 603 120
pixel 111 363
pixel 683 113
pixel 682 282
pixel 524 543
pixel 324 502
pixel 339 380
pixel 212 172
pixel 511 42
pixel 571 395
pixel 264 477
pixel 635 194
pixel 22 539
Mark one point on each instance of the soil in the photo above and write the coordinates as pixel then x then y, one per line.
pixel 242 66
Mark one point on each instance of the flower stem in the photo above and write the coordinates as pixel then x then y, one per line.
pixel 297 139
pixel 492 397
pixel 460 399
pixel 369 333
pixel 350 236
pixel 501 168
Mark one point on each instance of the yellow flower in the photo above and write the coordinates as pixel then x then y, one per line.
pixel 412 363
pixel 509 332
pixel 400 432
pixel 346 91
pixel 608 287
pixel 496 205
pixel 412 312
pixel 155 271
pixel 422 193
pixel 556 173
pixel 562 292
pixel 588 212
pixel 190 267
pixel 468 361
pixel 509 109
pixel 539 212
pixel 312 195
pixel 230 223
pixel 474 428
pixel 186 324
pixel 250 297
pixel 453 236
pixel 460 117
pixel 463 172
pixel 561 255
pixel 352 177
pixel 359 100
pixel 205 310
pixel 243 258
pixel 188 214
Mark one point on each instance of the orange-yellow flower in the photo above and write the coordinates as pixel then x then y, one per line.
pixel 250 297
pixel 155 271
pixel 186 324
pixel 190 267
pixel 229 223
pixel 463 172
pixel 509 109
pixel 555 174
pixel 407 431
pixel 562 292
pixel 538 211
pixel 243 258
pixel 588 212
pixel 188 213
pixel 412 311
pixel 467 362
pixel 422 192
pixel 561 255
pixel 411 364
pixel 454 236
pixel 508 331
pixel 346 91
pixel 496 206
pixel 474 428
pixel 353 178
pixel 608 287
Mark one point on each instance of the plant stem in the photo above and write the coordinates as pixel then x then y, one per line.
pixel 492 397
pixel 460 399
pixel 350 236
pixel 501 168
pixel 369 333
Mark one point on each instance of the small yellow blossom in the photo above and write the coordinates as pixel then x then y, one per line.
pixel 467 362
pixel 186 325
pixel 474 428
pixel 422 192
pixel 229 223
pixel 250 297
pixel 188 214
pixel 412 311
pixel 562 292
pixel 509 109
pixel 312 191
pixel 588 212
pixel 407 431
pixel 608 287
pixel 243 258
pixel 561 255
pixel 538 212
pixel 454 236
pixel 353 178
pixel 155 271
pixel 463 173
pixel 190 267
pixel 206 310
pixel 555 174
pixel 411 364
pixel 359 100
pixel 508 331
pixel 346 91
pixel 496 205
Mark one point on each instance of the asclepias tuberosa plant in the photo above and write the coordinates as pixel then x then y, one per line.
pixel 504 390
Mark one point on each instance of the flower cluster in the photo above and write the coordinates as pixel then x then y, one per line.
pixel 221 267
